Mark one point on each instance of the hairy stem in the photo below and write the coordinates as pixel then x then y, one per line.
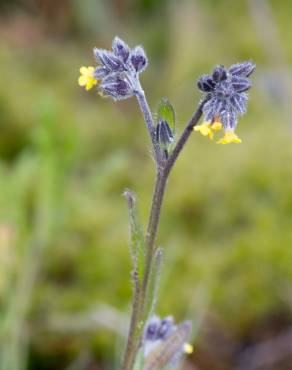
pixel 134 230
pixel 152 228
pixel 184 137
pixel 138 312
pixel 161 181
pixel 149 124
pixel 132 344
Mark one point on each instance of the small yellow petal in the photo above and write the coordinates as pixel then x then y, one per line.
pixel 206 123
pixel 188 348
pixel 210 134
pixel 90 70
pixel 83 70
pixel 205 129
pixel 90 83
pixel 222 141
pixel 229 137
pixel 216 126
pixel 82 80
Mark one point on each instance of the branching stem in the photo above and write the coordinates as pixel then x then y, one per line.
pixel 163 170
pixel 161 181
pixel 140 94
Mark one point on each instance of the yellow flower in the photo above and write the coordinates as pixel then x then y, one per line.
pixel 188 348
pixel 216 126
pixel 229 137
pixel 205 129
pixel 87 78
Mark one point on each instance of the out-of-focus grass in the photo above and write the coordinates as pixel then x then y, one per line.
pixel 67 156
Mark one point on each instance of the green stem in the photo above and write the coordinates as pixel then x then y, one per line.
pixel 161 181
pixel 131 347
pixel 141 295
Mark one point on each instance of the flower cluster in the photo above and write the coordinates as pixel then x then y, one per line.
pixel 117 71
pixel 226 89
pixel 164 342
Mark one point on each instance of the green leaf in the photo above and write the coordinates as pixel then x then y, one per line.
pixel 136 235
pixel 154 281
pixel 166 111
pixel 139 362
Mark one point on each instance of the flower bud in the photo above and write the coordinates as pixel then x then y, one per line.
pixel 219 74
pixel 121 49
pixel 101 72
pixel 240 84
pixel 151 328
pixel 166 327
pixel 244 69
pixel 164 135
pixel 206 84
pixel 138 59
pixel 116 87
pixel 239 102
pixel 108 60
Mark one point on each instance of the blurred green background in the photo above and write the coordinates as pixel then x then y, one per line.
pixel 67 155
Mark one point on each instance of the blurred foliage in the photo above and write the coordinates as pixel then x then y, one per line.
pixel 67 156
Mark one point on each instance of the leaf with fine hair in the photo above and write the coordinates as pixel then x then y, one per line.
pixel 166 112
pixel 154 280
pixel 136 236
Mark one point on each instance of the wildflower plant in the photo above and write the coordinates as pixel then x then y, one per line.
pixel 154 343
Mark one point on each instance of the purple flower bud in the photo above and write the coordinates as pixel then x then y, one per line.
pixel 167 351
pixel 138 59
pixel 224 89
pixel 116 87
pixel 208 109
pixel 213 108
pixel 101 72
pixel 239 102
pixel 229 119
pixel 206 83
pixel 108 60
pixel 166 327
pixel 244 69
pixel 219 74
pixel 240 84
pixel 121 49
pixel 151 328
pixel 218 106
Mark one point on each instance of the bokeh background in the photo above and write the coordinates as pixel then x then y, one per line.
pixel 67 155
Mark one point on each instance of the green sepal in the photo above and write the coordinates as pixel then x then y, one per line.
pixel 166 111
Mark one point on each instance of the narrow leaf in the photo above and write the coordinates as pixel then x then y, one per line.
pixel 166 112
pixel 136 235
pixel 154 281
